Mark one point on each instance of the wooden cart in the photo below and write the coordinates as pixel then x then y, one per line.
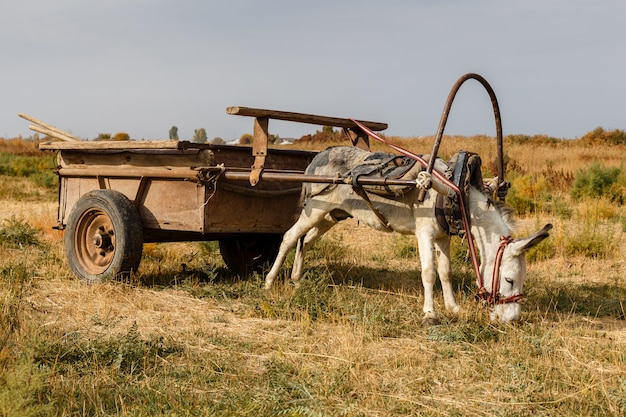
pixel 116 196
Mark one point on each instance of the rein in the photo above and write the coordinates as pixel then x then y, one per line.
pixel 489 298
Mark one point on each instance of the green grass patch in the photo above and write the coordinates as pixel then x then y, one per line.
pixel 39 169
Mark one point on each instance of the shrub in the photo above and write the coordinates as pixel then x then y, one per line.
pixel 593 236
pixel 103 136
pixel 607 137
pixel 529 193
pixel 120 136
pixel 597 181
pixel 245 139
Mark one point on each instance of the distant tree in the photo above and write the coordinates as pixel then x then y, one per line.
pixel 120 136
pixel 103 136
pixel 174 133
pixel 245 139
pixel 199 136
pixel 328 130
pixel 217 141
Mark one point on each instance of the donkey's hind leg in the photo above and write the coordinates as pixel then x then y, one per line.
pixel 307 221
pixel 305 242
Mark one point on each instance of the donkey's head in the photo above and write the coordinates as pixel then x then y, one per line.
pixel 504 278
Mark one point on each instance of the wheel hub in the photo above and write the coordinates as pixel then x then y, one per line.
pixel 102 239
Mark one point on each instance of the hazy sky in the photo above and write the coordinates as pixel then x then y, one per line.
pixel 558 67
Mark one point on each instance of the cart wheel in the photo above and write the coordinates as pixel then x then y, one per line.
pixel 104 236
pixel 246 254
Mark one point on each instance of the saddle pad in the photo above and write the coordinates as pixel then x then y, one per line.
pixel 383 165
pixel 387 165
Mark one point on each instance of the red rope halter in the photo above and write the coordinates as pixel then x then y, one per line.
pixel 494 297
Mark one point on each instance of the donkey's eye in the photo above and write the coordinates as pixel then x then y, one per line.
pixel 510 281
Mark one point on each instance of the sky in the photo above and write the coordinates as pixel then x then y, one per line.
pixel 558 67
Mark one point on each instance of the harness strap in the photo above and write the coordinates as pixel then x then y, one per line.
pixel 363 194
pixel 440 214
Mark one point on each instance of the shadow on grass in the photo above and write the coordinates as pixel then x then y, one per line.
pixel 586 299
pixel 589 299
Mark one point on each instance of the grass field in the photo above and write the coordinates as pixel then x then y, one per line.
pixel 183 337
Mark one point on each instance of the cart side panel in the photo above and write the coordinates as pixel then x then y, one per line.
pixel 172 205
pixel 237 212
pixel 163 204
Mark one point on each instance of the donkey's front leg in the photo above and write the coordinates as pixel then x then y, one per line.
pixel 442 247
pixel 429 276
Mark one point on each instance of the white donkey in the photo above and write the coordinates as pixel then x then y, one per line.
pixel 502 260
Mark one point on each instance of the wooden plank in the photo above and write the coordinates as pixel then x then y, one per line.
pixel 136 158
pixel 109 144
pixel 302 118
pixel 130 172
pixel 48 129
pixel 259 148
pixel 50 133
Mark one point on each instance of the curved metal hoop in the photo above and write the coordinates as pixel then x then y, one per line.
pixel 496 113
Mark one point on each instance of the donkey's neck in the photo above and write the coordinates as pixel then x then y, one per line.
pixel 488 225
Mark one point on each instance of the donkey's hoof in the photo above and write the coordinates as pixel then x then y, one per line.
pixel 454 309
pixel 431 319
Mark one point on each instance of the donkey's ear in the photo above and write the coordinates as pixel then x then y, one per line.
pixel 522 245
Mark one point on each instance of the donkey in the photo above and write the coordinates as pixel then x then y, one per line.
pixel 502 259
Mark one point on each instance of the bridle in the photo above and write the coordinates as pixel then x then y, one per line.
pixel 494 297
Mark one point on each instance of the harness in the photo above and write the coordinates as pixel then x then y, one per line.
pixel 381 165
pixel 464 172
pixel 488 298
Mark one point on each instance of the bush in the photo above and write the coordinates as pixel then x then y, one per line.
pixel 121 136
pixel 529 193
pixel 607 137
pixel 597 181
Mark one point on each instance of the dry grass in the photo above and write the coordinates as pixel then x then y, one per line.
pixel 184 337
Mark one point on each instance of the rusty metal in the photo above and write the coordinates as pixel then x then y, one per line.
pixel 278 176
pixel 503 186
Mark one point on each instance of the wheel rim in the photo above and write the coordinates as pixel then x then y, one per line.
pixel 95 241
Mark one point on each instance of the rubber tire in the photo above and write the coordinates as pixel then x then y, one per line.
pixel 246 254
pixel 110 217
